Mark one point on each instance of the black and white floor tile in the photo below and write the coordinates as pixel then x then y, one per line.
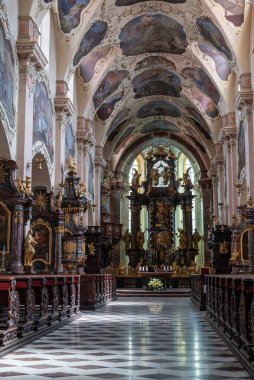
pixel 132 338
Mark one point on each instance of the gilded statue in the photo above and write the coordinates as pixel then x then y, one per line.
pixel 223 248
pixel 29 250
pixel 175 267
pixel 166 175
pixel 182 239
pixel 155 176
pixel 135 179
pixel 91 249
pixel 234 259
pixel 195 239
pixel 127 239
pixel 140 239
pixel 186 181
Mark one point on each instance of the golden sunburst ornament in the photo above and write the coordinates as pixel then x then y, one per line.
pixel 41 199
pixel 3 174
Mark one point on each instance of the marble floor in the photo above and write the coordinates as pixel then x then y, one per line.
pixel 135 338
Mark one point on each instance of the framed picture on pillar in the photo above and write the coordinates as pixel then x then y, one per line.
pixel 42 118
pixel 7 72
pixel 43 249
pixel 5 228
pixel 69 142
pixel 91 177
pixel 244 245
pixel 241 152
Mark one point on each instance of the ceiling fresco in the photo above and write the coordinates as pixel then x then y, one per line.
pixel 152 34
pixel 212 34
pixel 158 108
pixel 108 85
pixel 120 3
pixel 70 12
pixel 201 129
pixel 119 118
pixel 115 132
pixel 234 10
pixel 202 81
pixel 108 107
pixel 154 61
pixel 124 136
pixel 156 82
pixel 88 63
pixel 223 68
pixel 90 40
pixel 159 125
pixel 207 105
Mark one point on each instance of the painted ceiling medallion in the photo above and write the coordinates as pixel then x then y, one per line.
pixel 159 125
pixel 213 35
pixel 154 61
pixel 108 85
pixel 90 40
pixel 158 108
pixel 70 12
pixel 88 63
pixel 108 107
pixel 156 82
pixel 152 34
pixel 122 3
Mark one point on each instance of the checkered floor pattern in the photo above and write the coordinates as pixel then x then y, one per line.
pixel 132 338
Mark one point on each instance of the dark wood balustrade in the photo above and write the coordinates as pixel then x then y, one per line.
pixel 97 290
pixel 34 303
pixel 198 291
pixel 230 309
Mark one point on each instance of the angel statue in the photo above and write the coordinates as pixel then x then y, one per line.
pixel 135 180
pixel 195 239
pixel 29 245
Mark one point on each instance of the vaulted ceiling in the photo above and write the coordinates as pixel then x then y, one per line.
pixel 158 68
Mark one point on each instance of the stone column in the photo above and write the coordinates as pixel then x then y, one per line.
pixel 100 164
pixel 59 231
pixel 213 177
pixel 31 60
pixel 16 265
pixel 206 186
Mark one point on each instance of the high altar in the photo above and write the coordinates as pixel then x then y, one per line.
pixel 160 194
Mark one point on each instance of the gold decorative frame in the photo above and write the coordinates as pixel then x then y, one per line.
pixel 3 205
pixel 241 244
pixel 48 226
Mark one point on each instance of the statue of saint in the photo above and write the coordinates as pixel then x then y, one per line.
pixel 135 179
pixel 234 259
pixel 182 239
pixel 127 239
pixel 195 239
pixel 166 175
pixel 140 239
pixel 155 176
pixel 29 245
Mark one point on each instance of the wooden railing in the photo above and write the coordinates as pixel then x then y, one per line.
pixel 33 303
pixel 230 309
pixel 198 291
pixel 97 290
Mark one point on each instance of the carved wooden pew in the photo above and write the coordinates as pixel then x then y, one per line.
pixel 9 311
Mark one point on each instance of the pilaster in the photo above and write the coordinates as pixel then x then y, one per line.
pixel 99 163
